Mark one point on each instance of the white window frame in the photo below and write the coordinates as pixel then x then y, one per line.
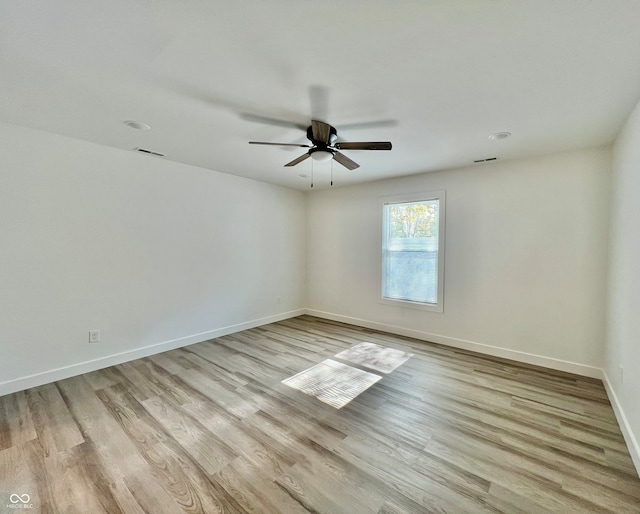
pixel 415 197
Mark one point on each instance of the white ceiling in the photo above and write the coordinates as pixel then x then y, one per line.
pixel 557 74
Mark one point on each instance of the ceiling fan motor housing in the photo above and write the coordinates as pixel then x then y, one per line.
pixel 333 136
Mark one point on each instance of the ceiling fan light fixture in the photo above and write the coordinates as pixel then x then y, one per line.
pixel 321 155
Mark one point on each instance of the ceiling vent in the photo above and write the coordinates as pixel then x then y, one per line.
pixel 149 152
pixel 486 160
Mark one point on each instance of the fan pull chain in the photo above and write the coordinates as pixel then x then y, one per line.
pixel 332 172
pixel 312 173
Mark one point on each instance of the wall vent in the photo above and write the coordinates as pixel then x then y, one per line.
pixel 150 152
pixel 487 160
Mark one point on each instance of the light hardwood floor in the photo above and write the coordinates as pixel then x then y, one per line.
pixel 210 428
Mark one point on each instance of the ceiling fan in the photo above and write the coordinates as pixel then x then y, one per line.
pixel 325 145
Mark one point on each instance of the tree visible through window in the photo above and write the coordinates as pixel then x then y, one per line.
pixel 415 219
pixel 411 248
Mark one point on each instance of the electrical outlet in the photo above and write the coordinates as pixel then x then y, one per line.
pixel 94 336
pixel 278 299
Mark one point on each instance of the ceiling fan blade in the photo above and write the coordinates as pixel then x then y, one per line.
pixel 271 121
pixel 321 131
pixel 345 161
pixel 372 145
pixel 298 160
pixel 278 144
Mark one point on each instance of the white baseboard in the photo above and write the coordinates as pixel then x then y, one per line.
pixel 46 377
pixel 629 437
pixel 528 358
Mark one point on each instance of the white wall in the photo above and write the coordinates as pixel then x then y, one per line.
pixel 623 320
pixel 525 259
pixel 146 250
pixel 151 252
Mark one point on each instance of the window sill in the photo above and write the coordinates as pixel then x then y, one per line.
pixel 408 304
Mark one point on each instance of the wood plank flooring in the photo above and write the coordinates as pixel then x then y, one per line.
pixel 209 428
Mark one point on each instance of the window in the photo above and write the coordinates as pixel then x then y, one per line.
pixel 413 250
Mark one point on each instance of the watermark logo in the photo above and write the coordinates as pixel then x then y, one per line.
pixel 20 501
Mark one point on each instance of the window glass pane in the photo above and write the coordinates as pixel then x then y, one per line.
pixel 410 256
pixel 413 220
